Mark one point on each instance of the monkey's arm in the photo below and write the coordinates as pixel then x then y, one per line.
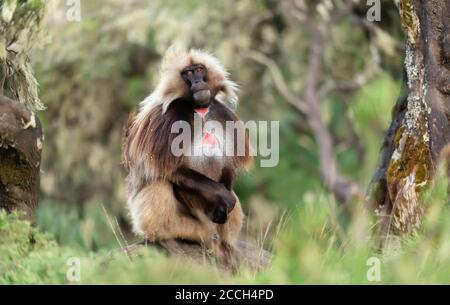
pixel 214 196
pixel 227 178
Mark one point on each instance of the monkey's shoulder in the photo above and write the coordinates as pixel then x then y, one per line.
pixel 221 112
pixel 177 111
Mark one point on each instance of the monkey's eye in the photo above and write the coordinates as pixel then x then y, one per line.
pixel 189 73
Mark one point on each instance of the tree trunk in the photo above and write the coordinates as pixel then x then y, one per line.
pixel 420 120
pixel 20 155
pixel 20 130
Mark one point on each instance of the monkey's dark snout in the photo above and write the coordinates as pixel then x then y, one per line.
pixel 199 86
pixel 202 97
pixel 201 94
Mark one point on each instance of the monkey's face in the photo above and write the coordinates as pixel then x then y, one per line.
pixel 195 78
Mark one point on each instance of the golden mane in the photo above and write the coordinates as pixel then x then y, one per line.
pixel 171 86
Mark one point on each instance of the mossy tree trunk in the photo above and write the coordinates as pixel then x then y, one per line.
pixel 20 155
pixel 420 120
pixel 21 136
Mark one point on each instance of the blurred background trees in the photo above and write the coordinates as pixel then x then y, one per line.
pixel 92 73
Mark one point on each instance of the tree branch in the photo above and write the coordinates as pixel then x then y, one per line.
pixel 370 71
pixel 278 80
pixel 339 14
pixel 343 189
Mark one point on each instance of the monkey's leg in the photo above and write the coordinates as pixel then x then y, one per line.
pixel 229 233
pixel 227 178
pixel 155 214
pixel 224 247
pixel 230 230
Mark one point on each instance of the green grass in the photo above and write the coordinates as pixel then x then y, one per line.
pixel 312 247
pixel 28 256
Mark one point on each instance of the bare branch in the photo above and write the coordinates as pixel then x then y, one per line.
pixel 339 14
pixel 343 189
pixel 278 79
pixel 299 10
pixel 370 71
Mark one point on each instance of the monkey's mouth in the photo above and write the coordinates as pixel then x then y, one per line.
pixel 202 96
pixel 202 111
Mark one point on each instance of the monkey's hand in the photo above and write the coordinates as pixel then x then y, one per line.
pixel 225 204
pixel 216 200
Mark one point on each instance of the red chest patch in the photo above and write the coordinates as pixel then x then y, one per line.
pixel 210 140
pixel 202 111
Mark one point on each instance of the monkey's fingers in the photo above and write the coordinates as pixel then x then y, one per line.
pixel 220 215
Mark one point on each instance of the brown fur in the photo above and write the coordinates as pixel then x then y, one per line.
pixel 172 197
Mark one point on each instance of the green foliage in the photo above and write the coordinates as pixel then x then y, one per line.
pixel 91 231
pixel 370 112
pixel 311 247
pixel 94 72
pixel 28 256
pixel 279 183
pixel 150 267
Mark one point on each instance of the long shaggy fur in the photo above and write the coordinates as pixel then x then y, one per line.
pixel 138 143
pixel 154 209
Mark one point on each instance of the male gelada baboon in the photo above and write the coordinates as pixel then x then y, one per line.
pixel 187 196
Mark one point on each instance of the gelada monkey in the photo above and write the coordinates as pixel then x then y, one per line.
pixel 187 196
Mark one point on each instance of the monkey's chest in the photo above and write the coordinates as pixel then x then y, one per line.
pixel 209 166
pixel 209 151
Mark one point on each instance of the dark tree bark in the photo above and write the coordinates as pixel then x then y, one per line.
pixel 21 143
pixel 420 120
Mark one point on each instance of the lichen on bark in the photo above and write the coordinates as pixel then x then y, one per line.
pixel 410 21
pixel 419 127
pixel 21 141
pixel 21 138
pixel 410 168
